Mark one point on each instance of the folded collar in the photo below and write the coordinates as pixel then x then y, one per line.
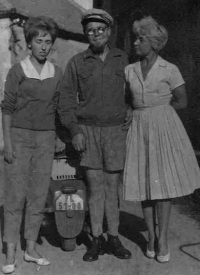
pixel 48 69
pixel 112 51
pixel 159 62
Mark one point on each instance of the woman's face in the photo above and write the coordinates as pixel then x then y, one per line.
pixel 142 45
pixel 41 45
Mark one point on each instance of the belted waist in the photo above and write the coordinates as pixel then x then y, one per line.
pixel 148 107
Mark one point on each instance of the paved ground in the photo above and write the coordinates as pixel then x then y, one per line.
pixel 184 242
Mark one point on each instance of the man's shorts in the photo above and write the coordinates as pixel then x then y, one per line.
pixel 105 147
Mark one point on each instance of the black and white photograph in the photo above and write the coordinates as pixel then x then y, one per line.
pixel 100 137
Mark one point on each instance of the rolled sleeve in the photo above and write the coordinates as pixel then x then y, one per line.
pixel 10 93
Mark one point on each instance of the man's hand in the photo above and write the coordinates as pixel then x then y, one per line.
pixel 78 142
pixel 9 153
pixel 60 146
pixel 128 119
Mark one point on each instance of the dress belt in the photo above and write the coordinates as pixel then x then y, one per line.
pixel 148 107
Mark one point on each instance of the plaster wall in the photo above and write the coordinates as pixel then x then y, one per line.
pixel 86 4
pixel 63 50
pixel 5 63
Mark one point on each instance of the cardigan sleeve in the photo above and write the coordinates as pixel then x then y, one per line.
pixel 10 92
pixel 58 88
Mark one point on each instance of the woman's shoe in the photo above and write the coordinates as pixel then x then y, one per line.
pixel 150 254
pixel 42 261
pixel 8 269
pixel 164 258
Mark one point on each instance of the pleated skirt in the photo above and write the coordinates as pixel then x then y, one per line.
pixel 160 161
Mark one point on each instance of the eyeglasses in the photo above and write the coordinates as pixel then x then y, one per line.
pixel 93 31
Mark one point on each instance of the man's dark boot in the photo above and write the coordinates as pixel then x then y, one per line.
pixel 115 247
pixel 98 247
pixel 103 245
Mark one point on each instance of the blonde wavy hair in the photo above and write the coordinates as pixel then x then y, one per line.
pixel 156 34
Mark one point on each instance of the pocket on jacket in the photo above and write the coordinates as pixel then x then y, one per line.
pixel 120 73
pixel 85 82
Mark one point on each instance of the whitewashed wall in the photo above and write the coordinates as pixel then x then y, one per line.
pixel 63 50
pixel 5 63
pixel 86 4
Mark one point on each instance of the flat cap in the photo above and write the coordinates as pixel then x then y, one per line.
pixel 96 15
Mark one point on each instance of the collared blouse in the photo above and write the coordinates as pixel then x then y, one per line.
pixel 157 88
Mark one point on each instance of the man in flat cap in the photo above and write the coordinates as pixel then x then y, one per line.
pixel 92 106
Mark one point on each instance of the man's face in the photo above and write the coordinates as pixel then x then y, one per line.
pixel 98 34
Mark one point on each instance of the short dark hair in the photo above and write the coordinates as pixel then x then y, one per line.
pixel 40 23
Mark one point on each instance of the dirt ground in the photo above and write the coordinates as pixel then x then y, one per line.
pixel 184 243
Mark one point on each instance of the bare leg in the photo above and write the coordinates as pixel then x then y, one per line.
pixel 148 208
pixel 163 212
pixel 31 249
pixel 114 245
pixel 10 253
pixel 112 201
pixel 31 255
pixel 95 180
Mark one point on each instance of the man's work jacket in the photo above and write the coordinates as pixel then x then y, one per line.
pixel 92 90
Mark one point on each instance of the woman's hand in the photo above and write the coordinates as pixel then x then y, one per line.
pixel 9 152
pixel 128 119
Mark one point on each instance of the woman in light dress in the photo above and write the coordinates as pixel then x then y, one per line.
pixel 160 161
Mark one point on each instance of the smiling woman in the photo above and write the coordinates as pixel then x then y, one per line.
pixel 160 161
pixel 29 106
